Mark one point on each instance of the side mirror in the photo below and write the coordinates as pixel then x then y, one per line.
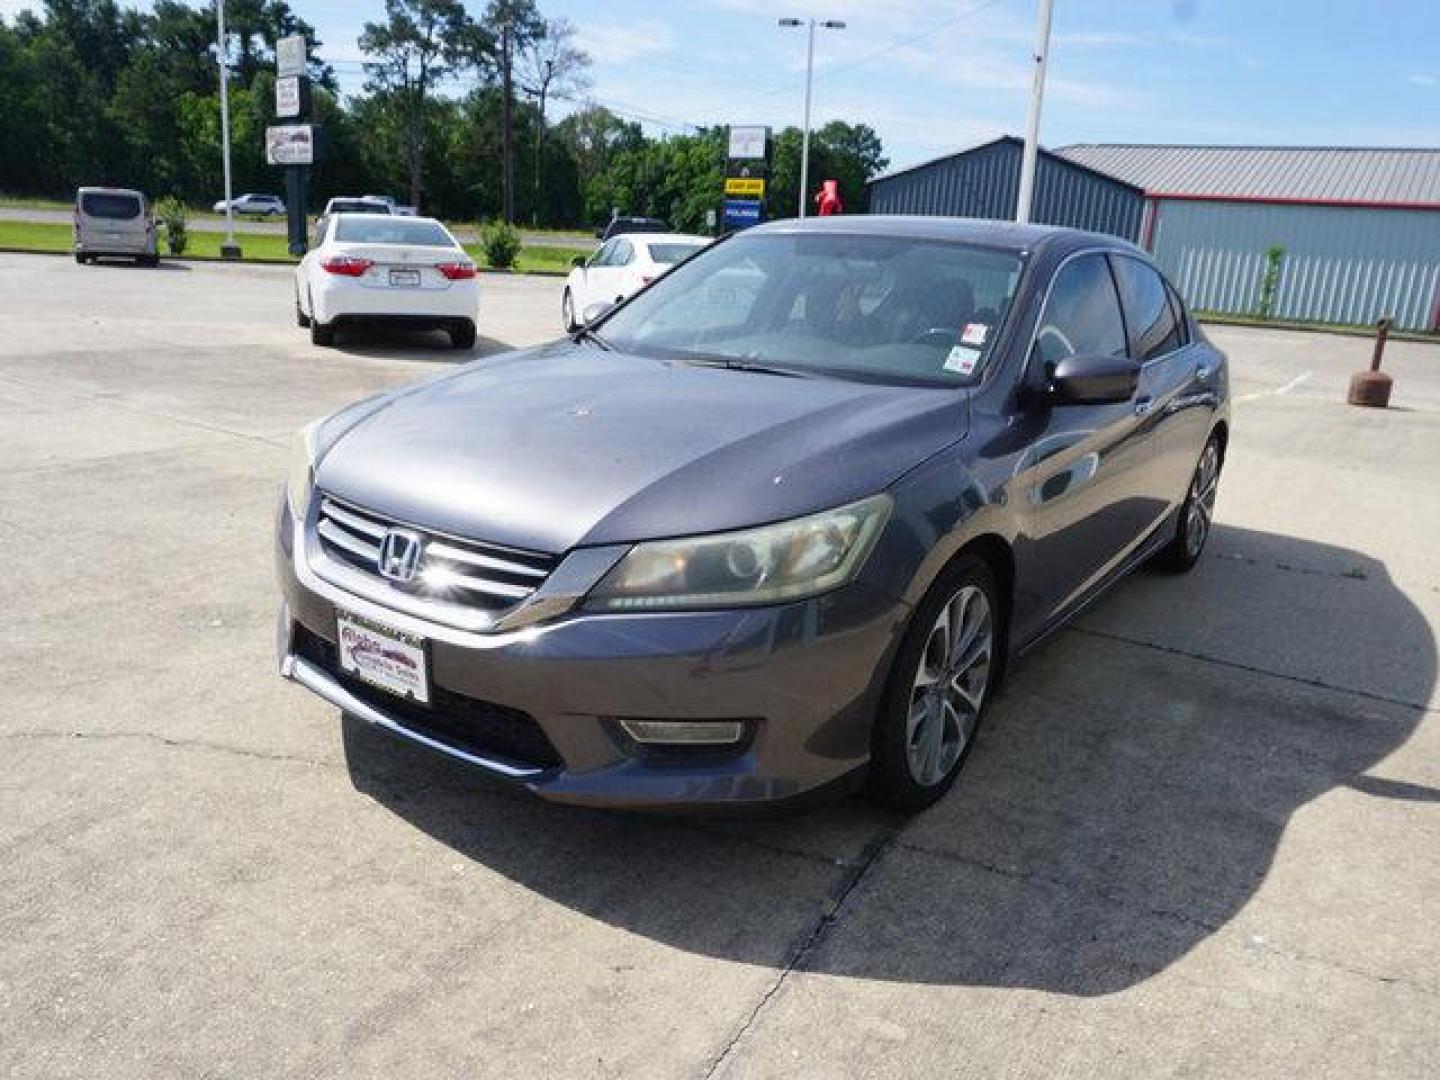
pixel 578 261
pixel 596 312
pixel 1094 380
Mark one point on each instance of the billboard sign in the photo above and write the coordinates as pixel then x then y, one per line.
pixel 741 213
pixel 290 144
pixel 290 56
pixel 751 187
pixel 748 143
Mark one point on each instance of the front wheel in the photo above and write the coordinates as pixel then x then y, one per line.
pixel 1197 512
pixel 938 688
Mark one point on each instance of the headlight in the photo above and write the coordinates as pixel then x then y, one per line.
pixel 302 470
pixel 767 565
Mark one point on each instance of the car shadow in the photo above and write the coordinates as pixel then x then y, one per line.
pixel 122 262
pixel 379 342
pixel 1125 800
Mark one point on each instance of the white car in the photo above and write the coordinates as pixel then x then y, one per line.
pixel 371 268
pixel 623 266
pixel 395 207
pixel 249 203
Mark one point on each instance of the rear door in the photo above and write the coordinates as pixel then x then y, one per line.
pixel 1078 479
pixel 113 221
pixel 1159 340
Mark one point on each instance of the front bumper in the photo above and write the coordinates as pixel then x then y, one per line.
pixel 805 678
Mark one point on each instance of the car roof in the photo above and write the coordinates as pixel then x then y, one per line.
pixel 1007 235
pixel 666 238
pixel 391 218
pixel 109 191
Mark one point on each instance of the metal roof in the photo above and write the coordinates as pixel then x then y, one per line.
pixel 1325 174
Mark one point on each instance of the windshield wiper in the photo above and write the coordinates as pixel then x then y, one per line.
pixel 734 363
pixel 584 333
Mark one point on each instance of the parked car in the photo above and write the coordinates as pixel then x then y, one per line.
pixel 620 268
pixel 369 268
pixel 395 208
pixel 352 204
pixel 618 225
pixel 114 221
pixel 261 205
pixel 775 526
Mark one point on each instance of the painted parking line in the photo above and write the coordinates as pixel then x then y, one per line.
pixel 1293 384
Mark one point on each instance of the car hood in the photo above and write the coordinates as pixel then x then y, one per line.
pixel 569 445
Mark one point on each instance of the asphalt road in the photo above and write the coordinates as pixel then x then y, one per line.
pixel 1199 837
pixel 252 226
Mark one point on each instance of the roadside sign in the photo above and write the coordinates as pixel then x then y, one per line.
pixel 290 144
pixel 290 56
pixel 287 96
pixel 752 187
pixel 709 220
pixel 748 143
pixel 741 213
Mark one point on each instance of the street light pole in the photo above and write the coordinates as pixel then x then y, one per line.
pixel 229 245
pixel 1031 154
pixel 810 24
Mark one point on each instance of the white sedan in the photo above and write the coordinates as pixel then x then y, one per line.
pixel 373 268
pixel 262 205
pixel 623 266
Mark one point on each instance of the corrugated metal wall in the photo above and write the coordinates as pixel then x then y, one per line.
pixel 984 183
pixel 1342 264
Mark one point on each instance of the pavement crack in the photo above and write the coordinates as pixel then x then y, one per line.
pixel 1236 665
pixel 828 917
pixel 165 740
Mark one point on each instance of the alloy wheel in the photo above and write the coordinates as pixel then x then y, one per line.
pixel 1200 504
pixel 949 687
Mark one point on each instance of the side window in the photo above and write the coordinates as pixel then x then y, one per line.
pixel 1082 314
pixel 1182 317
pixel 602 257
pixel 1147 308
pixel 624 254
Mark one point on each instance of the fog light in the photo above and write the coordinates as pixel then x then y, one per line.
pixel 684 732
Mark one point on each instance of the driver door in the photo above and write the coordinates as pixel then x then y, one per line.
pixel 1079 479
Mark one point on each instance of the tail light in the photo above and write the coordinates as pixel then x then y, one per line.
pixel 457 271
pixel 345 265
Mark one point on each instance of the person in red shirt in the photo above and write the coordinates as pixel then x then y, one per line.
pixel 828 198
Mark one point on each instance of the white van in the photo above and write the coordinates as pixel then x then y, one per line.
pixel 114 221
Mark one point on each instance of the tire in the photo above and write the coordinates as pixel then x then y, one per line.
pixel 938 687
pixel 567 312
pixel 81 259
pixel 151 261
pixel 1194 521
pixel 301 319
pixel 322 334
pixel 462 334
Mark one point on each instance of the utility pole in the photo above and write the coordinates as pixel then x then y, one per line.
pixel 228 250
pixel 828 24
pixel 1031 155
pixel 540 138
pixel 506 150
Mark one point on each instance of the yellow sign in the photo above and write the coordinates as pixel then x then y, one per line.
pixel 753 186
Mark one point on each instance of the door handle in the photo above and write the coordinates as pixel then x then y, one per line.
pixel 1143 406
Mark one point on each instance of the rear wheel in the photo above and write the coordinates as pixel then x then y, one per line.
pixel 1192 525
pixel 462 334
pixel 938 688
pixel 151 261
pixel 321 334
pixel 301 319
pixel 81 259
pixel 567 312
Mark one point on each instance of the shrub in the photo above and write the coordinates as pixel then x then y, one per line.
pixel 170 212
pixel 501 244
pixel 1270 280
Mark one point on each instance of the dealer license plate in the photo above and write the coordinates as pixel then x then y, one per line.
pixel 383 656
pixel 405 278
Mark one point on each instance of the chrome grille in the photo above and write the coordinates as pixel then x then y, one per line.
pixel 451 569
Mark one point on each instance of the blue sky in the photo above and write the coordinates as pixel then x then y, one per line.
pixel 935 75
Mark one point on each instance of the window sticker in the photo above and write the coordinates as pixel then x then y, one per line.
pixel 962 359
pixel 975 333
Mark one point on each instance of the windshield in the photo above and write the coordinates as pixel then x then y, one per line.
pixel 672 253
pixel 358 206
pixel 106 205
pixel 879 307
pixel 397 230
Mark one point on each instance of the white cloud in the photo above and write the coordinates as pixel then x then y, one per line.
pixel 1424 80
pixel 615 42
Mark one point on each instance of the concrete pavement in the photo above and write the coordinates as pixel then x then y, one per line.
pixel 1199 836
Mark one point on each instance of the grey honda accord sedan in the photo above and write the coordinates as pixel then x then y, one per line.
pixel 773 527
